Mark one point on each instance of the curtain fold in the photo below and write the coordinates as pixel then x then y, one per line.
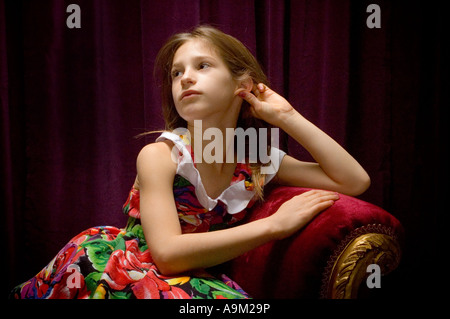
pixel 73 100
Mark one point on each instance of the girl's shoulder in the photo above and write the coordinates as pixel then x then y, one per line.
pixel 153 151
pixel 155 161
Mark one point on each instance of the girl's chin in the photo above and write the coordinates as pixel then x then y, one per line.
pixel 191 114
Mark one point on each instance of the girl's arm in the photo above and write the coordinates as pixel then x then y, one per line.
pixel 335 169
pixel 174 252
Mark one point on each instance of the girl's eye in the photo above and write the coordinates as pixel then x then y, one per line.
pixel 204 65
pixel 176 74
pixel 201 66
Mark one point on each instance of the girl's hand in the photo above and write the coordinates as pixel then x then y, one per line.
pixel 295 213
pixel 267 105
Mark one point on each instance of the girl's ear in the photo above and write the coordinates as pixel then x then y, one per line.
pixel 244 84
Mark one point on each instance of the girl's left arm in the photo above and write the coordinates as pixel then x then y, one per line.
pixel 335 169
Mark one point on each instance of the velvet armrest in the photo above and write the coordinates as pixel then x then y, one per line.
pixel 328 258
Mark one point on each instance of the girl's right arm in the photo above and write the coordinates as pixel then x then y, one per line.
pixel 174 252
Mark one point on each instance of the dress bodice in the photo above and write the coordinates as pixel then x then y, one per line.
pixel 197 211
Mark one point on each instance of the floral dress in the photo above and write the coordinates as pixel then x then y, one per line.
pixel 116 263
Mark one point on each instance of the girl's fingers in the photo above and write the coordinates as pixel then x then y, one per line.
pixel 323 205
pixel 255 90
pixel 318 193
pixel 249 97
pixel 261 87
pixel 317 197
pixel 325 199
pixel 258 89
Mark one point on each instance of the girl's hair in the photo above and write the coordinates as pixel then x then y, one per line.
pixel 240 62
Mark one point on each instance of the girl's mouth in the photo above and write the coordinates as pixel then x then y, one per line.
pixel 189 93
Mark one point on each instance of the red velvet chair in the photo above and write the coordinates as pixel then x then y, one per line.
pixel 326 259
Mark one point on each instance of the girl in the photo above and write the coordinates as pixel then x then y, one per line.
pixel 182 205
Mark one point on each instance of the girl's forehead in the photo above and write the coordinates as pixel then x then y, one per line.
pixel 195 47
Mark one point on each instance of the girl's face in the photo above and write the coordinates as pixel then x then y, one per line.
pixel 202 85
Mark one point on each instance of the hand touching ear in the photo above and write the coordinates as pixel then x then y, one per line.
pixel 267 105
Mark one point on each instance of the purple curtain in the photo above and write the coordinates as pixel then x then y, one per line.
pixel 73 100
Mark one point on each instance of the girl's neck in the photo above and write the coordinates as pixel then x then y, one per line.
pixel 212 144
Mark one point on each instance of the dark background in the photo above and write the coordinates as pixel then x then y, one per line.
pixel 73 100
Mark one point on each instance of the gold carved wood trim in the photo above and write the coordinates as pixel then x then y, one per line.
pixel 347 270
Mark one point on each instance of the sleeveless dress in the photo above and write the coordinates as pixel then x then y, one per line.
pixel 107 262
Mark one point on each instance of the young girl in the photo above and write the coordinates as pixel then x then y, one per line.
pixel 182 205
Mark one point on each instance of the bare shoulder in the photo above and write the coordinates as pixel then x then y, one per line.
pixel 154 162
pixel 155 151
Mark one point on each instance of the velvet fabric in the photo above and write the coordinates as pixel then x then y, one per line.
pixel 294 267
pixel 72 101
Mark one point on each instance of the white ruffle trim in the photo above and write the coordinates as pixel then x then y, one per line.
pixel 236 197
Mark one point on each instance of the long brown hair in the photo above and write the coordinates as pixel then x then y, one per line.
pixel 240 62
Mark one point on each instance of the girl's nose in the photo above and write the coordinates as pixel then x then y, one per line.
pixel 188 77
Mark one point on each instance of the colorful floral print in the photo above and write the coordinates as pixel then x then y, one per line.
pixel 107 262
pixel 117 264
